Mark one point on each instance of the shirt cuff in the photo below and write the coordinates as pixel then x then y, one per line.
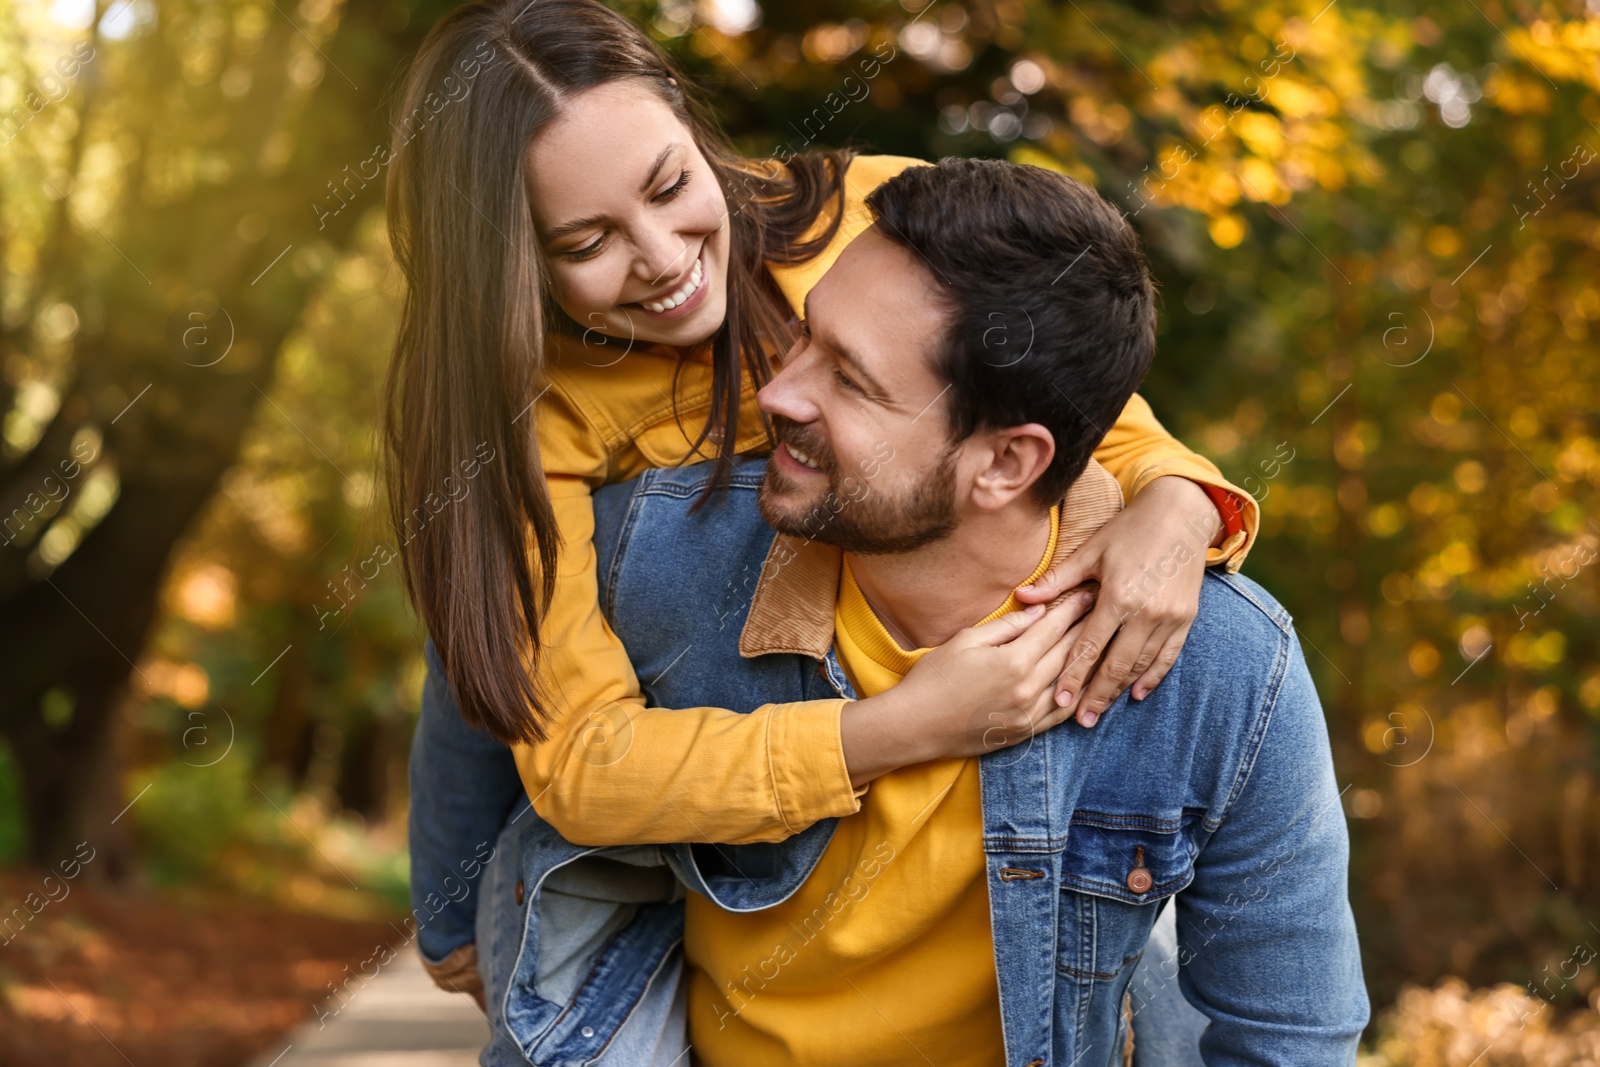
pixel 1230 554
pixel 810 780
pixel 1229 507
pixel 1237 544
pixel 1232 510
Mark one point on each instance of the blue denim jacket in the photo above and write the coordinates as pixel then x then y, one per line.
pixel 1220 784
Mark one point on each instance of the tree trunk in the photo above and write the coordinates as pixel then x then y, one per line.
pixel 82 628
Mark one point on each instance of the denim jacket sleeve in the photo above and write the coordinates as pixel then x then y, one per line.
pixel 464 787
pixel 1267 942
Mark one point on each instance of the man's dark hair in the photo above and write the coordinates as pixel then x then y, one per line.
pixel 1051 305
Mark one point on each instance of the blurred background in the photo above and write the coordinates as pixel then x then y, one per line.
pixel 1377 232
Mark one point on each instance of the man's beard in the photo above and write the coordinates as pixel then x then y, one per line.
pixel 858 517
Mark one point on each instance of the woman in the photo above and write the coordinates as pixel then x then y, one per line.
pixel 595 284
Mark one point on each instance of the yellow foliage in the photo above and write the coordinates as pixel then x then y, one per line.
pixel 1260 182
pixel 1443 241
pixel 1456 558
pixel 1294 99
pixel 1537 651
pixel 1034 157
pixel 1471 476
pixel 1386 520
pixel 1227 230
pixel 1505 1026
pixel 1423 659
pixel 1517 94
pixel 1224 189
pixel 1260 133
pixel 1330 173
pixel 186 684
pixel 1564 55
pixel 1589 693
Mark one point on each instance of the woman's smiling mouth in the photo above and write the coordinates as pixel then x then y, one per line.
pixel 685 296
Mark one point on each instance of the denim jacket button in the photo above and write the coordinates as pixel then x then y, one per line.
pixel 519 892
pixel 1139 879
pixel 587 1031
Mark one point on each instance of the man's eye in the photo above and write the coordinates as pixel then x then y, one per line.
pixel 674 189
pixel 845 382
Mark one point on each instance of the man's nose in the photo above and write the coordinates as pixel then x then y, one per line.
pixel 786 394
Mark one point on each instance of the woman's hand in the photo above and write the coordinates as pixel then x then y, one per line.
pixel 987 687
pixel 458 973
pixel 1150 560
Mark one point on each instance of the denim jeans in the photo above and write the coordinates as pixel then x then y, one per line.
pixel 1166 1027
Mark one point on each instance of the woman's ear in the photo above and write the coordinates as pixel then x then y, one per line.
pixel 1017 457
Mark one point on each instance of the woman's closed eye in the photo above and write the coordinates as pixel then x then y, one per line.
pixel 588 251
pixel 595 247
pixel 674 189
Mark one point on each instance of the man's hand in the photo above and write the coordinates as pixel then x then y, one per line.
pixel 1150 560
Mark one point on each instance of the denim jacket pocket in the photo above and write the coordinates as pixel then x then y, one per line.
pixel 1112 869
pixel 576 936
pixel 582 906
pixel 1135 859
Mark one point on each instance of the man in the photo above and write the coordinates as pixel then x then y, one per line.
pixel 986 327
pixel 935 424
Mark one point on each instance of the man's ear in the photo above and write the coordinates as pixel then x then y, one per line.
pixel 1016 457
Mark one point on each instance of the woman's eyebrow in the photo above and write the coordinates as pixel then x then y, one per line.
pixel 655 168
pixel 557 232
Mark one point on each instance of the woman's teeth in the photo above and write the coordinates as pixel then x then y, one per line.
pixel 804 459
pixel 689 288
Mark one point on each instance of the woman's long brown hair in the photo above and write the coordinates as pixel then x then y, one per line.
pixel 466 488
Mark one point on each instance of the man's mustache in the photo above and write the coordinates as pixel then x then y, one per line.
pixel 804 439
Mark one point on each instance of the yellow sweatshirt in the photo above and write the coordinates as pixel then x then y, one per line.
pixel 888 940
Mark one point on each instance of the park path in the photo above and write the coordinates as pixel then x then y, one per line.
pixel 399 1019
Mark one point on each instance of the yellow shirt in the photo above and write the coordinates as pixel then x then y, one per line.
pixel 616 772
pixel 884 955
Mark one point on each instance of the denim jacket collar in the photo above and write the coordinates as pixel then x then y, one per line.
pixel 793 607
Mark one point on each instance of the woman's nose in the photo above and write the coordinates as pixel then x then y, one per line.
pixel 662 256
